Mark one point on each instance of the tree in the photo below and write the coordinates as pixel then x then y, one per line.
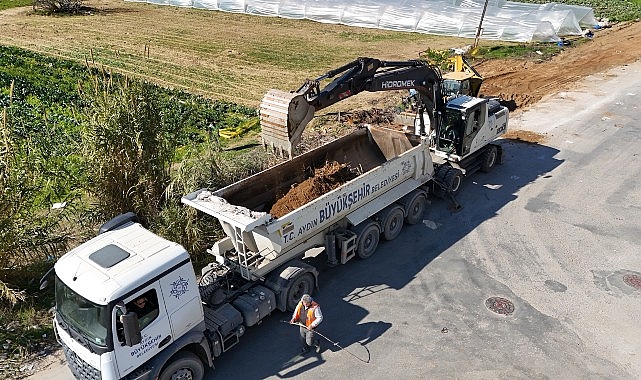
pixel 129 146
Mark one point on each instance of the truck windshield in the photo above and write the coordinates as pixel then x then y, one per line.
pixel 82 315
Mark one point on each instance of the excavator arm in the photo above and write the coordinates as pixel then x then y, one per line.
pixel 284 115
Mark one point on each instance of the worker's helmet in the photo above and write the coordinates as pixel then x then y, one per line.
pixel 306 298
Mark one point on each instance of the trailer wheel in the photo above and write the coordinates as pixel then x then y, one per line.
pixel 489 158
pixel 393 223
pixel 453 179
pixel 303 284
pixel 185 366
pixel 415 210
pixel 367 241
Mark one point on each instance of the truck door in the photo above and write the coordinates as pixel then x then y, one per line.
pixel 149 305
pixel 182 300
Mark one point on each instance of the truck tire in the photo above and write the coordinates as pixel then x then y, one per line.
pixel 302 284
pixel 488 160
pixel 184 366
pixel 392 221
pixel 453 179
pixel 415 209
pixel 367 240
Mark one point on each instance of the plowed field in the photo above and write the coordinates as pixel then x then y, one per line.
pixel 238 58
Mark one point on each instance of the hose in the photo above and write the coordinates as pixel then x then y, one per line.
pixel 335 343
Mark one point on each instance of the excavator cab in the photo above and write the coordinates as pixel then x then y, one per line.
pixel 449 135
pixel 461 78
pixel 461 83
pixel 284 115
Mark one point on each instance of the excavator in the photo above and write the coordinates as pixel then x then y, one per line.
pixel 460 127
pixel 459 78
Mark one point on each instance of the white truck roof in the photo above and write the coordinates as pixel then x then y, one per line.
pixel 114 263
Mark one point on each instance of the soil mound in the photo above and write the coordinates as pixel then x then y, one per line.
pixel 323 180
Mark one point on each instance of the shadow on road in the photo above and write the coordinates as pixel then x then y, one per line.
pixel 272 350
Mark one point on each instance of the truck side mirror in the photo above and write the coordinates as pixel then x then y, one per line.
pixel 44 281
pixel 131 328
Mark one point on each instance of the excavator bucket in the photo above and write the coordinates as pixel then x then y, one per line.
pixel 283 117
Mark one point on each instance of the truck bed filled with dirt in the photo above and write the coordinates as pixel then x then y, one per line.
pixel 289 206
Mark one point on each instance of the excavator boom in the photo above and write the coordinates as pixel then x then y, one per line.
pixel 284 115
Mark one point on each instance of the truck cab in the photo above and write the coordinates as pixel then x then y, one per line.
pixel 96 320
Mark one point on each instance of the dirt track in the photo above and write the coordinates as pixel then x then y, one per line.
pixel 526 82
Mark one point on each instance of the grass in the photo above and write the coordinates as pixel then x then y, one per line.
pixel 27 331
pixel 539 51
pixel 614 10
pixel 40 94
pixel 8 4
pixel 238 65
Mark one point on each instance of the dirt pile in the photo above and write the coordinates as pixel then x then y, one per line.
pixel 324 180
pixel 525 82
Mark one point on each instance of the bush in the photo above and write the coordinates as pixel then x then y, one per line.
pixel 58 6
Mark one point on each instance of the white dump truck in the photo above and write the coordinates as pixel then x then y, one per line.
pixel 257 267
pixel 129 304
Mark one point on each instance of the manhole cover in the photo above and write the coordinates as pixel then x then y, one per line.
pixel 500 305
pixel 633 280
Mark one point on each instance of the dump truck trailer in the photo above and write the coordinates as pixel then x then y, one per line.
pixel 391 165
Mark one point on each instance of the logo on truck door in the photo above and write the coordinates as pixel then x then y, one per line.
pixel 146 344
pixel 179 287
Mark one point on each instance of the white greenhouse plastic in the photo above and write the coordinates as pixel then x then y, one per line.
pixel 503 20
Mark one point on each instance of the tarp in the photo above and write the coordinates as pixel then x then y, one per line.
pixel 503 20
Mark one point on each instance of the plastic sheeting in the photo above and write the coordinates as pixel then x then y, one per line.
pixel 503 20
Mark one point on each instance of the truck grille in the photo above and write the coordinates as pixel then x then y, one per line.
pixel 81 370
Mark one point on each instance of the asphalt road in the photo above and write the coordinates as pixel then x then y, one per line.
pixel 554 232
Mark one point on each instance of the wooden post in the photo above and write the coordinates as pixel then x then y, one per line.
pixel 480 28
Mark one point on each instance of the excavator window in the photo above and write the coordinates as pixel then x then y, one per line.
pixel 451 87
pixel 449 136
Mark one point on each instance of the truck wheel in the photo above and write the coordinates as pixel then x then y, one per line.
pixel 453 179
pixel 488 159
pixel 367 241
pixel 393 223
pixel 303 284
pixel 415 210
pixel 185 366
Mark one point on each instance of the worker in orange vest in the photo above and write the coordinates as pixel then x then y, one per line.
pixel 308 314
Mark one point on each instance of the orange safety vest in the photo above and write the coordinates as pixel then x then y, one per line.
pixel 310 313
